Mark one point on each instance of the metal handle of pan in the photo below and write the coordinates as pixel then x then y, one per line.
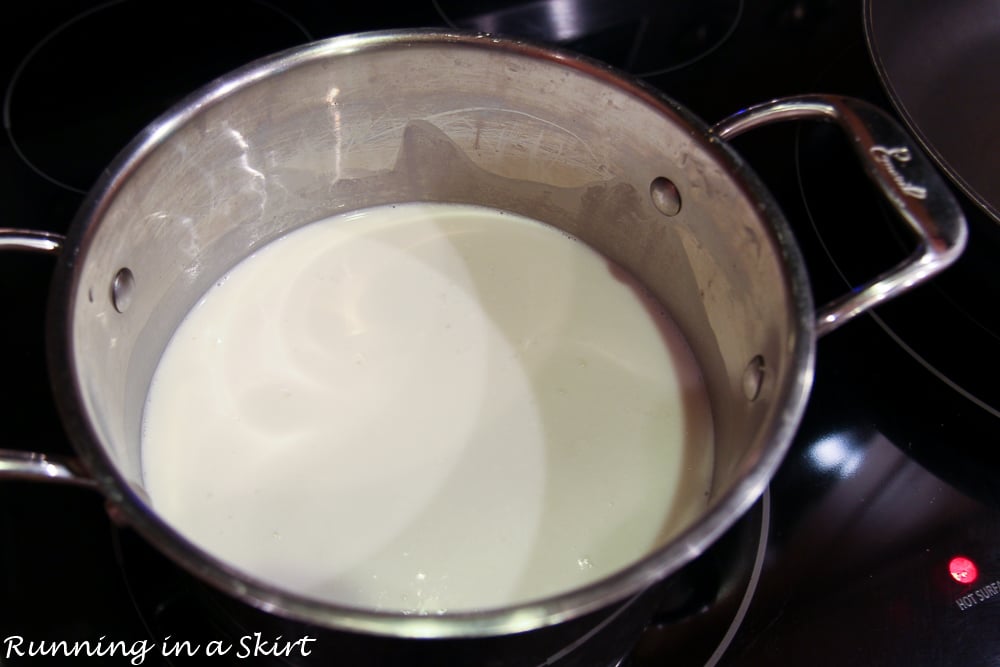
pixel 32 465
pixel 903 174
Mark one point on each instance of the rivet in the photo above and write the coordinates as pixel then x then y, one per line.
pixel 753 378
pixel 122 288
pixel 665 195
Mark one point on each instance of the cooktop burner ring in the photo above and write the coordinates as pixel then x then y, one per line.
pixel 824 168
pixel 931 390
pixel 73 113
pixel 758 567
pixel 169 602
pixel 615 32
pixel 898 330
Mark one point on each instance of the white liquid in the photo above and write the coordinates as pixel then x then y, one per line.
pixel 426 408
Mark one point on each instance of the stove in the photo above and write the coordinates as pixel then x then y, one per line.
pixel 878 541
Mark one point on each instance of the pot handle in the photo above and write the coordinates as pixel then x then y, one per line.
pixel 33 466
pixel 899 169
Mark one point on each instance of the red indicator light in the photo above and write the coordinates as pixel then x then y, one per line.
pixel 963 570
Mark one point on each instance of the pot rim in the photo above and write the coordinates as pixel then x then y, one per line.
pixel 520 617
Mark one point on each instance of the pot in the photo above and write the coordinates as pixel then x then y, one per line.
pixel 364 120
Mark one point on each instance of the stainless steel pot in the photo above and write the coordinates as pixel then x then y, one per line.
pixel 386 117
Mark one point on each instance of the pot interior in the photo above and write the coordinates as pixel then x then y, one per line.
pixel 363 121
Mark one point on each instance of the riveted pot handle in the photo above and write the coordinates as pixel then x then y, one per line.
pixel 34 466
pixel 903 174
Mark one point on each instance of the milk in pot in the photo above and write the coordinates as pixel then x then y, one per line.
pixel 427 408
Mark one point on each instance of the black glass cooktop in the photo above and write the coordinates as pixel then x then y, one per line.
pixel 879 539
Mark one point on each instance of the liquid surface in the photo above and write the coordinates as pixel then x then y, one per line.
pixel 426 408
